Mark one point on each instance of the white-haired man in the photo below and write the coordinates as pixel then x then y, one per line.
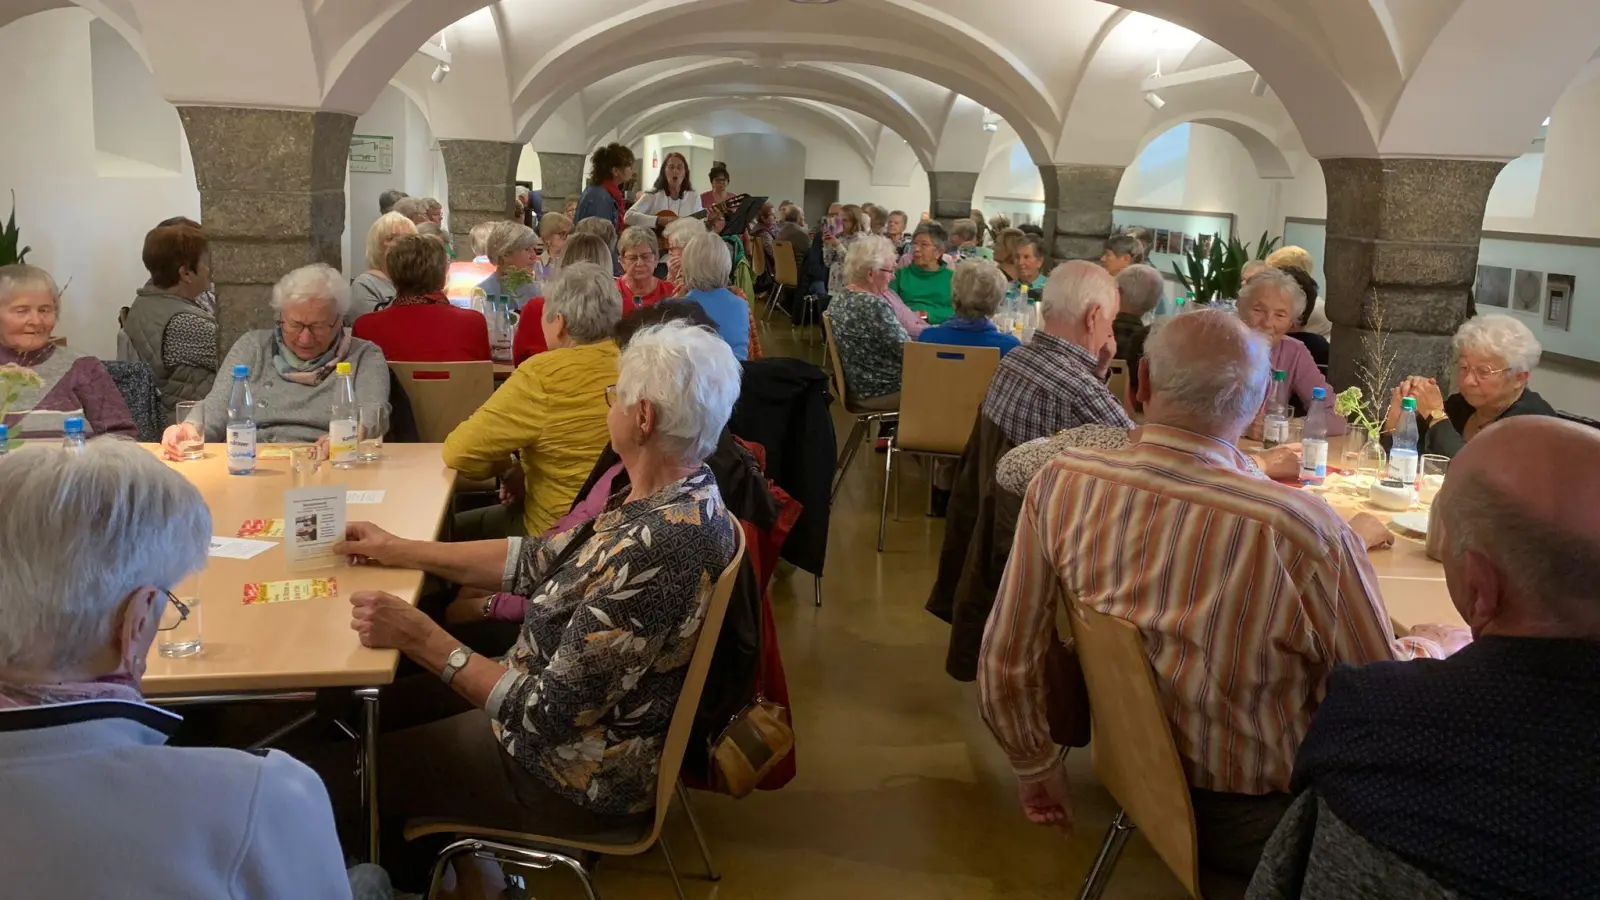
pixel 1247 593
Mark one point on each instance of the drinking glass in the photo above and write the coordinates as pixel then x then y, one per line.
pixel 304 463
pixel 178 634
pixel 193 411
pixel 372 423
pixel 1430 477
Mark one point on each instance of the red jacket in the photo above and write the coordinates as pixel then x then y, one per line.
pixel 432 332
pixel 529 337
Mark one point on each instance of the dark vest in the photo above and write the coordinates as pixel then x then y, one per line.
pixel 146 328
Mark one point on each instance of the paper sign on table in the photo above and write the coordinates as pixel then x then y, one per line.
pixel 285 591
pixel 261 528
pixel 313 520
pixel 238 548
pixel 364 497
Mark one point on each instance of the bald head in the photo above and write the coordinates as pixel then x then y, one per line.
pixel 1205 371
pixel 1521 513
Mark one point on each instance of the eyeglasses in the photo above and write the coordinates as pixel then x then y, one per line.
pixel 611 395
pixel 181 607
pixel 630 259
pixel 1482 373
pixel 293 328
pixel 887 270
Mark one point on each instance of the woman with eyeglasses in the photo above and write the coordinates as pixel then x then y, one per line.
pixel 1494 356
pixel 869 335
pixel 640 287
pixel 292 365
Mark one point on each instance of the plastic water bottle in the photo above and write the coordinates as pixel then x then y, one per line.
pixel 241 424
pixel 1275 428
pixel 72 439
pixel 1403 456
pixel 5 439
pixel 1314 441
pixel 342 427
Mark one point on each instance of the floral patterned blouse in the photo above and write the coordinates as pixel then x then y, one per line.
pixel 606 642
pixel 871 343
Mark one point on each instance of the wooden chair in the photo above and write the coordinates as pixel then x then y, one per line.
pixel 542 851
pixel 1120 386
pixel 1134 754
pixel 443 395
pixel 862 428
pixel 784 274
pixel 941 389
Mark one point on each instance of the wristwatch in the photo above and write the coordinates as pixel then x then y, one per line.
pixel 454 663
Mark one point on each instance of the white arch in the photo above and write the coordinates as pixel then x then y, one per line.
pixel 355 74
pixel 1256 136
pixel 662 118
pixel 115 13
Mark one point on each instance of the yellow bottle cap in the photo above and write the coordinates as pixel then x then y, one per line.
pixel 342 368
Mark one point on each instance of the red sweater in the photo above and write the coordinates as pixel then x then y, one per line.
pixel 529 337
pixel 663 291
pixel 435 332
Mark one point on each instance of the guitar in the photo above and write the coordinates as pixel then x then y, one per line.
pixel 724 209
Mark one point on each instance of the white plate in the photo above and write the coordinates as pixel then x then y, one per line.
pixel 1412 521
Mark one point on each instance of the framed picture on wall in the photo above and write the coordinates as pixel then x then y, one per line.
pixel 1163 241
pixel 1558 290
pixel 1493 287
pixel 1527 291
pixel 1175 242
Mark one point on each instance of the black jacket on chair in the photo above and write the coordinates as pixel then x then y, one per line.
pixel 783 406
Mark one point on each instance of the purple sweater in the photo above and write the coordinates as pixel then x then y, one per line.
pixel 74 385
pixel 1292 357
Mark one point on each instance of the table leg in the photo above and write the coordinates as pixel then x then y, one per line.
pixel 369 768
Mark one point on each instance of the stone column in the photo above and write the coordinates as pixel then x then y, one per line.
pixel 561 178
pixel 271 200
pixel 1402 254
pixel 950 195
pixel 1077 209
pixel 483 186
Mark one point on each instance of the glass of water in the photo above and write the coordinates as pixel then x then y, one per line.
pixel 373 424
pixel 304 463
pixel 1430 477
pixel 178 634
pixel 193 412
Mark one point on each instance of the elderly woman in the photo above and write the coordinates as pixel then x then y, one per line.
pixel 551 411
pixel 896 232
pixel 1316 343
pixel 95 542
pixel 925 284
pixel 66 383
pixel 292 366
pixel 169 326
pixel 1028 262
pixel 1494 356
pixel 1121 251
pixel 1005 251
pixel 528 339
pixel 1314 320
pixel 479 238
pixel 852 226
pixel 979 286
pixel 421 325
pixel 554 229
pixel 1270 303
pixel 513 249
pixel 1140 287
pixel 605 231
pixel 413 208
pixel 610 168
pixel 706 262
pixel 636 250
pixel 964 235
pixel 868 336
pixel 719 192
pixel 373 289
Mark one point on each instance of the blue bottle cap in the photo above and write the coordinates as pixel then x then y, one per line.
pixel 5 432
pixel 73 425
pixel 1318 394
pixel 241 371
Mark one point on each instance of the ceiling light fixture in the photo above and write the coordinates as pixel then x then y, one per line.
pixel 1154 99
pixel 991 127
pixel 439 72
pixel 1258 88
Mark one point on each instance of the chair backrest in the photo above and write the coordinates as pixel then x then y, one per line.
pixel 835 365
pixel 1134 754
pixel 758 255
pixel 941 388
pixel 443 395
pixel 1119 385
pixel 783 267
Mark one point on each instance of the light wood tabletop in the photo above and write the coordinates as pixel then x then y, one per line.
pixel 307 643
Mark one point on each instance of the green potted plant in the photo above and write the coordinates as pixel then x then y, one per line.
pixel 1219 274
pixel 11 238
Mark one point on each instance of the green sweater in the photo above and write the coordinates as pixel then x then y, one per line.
pixel 925 291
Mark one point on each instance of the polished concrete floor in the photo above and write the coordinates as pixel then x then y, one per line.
pixel 901 792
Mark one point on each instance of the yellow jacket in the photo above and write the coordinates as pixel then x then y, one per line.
pixel 553 409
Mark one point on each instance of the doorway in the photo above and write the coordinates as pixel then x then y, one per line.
pixel 821 193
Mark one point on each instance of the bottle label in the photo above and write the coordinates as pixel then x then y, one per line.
pixel 342 440
pixel 1314 460
pixel 241 444
pixel 1275 431
pixel 1403 466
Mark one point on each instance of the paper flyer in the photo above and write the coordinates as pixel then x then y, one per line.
pixel 238 548
pixel 285 591
pixel 313 519
pixel 272 528
pixel 354 497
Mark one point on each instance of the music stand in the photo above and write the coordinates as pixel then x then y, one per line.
pixel 738 221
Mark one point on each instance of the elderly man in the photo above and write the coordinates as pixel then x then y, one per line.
pixel 793 230
pixel 1055 381
pixel 388 199
pixel 1140 287
pixel 1477 773
pixel 1247 593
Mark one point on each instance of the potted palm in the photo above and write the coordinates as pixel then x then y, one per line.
pixel 1218 274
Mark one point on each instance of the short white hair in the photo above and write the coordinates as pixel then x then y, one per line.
pixel 868 252
pixel 1139 288
pixel 977 288
pixel 682 231
pixel 318 281
pixel 637 236
pixel 389 225
pixel 1502 337
pixel 480 237
pixel 690 377
pixel 1210 366
pixel 706 262
pixel 963 230
pixel 413 208
pixel 586 297
pixel 20 278
pixel 1274 281
pixel 507 237
pixel 81 532
pixel 1074 287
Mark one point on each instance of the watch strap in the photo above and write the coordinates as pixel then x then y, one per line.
pixel 448 673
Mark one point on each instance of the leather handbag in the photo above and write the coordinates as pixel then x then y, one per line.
pixel 756 739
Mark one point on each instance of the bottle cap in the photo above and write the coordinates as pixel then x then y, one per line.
pixel 73 425
pixel 241 371
pixel 1318 394
pixel 342 369
pixel 1409 403
pixel 5 431
pixel 1280 375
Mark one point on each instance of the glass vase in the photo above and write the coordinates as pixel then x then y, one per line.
pixel 1374 463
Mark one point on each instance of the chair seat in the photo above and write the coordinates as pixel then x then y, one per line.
pixel 615 835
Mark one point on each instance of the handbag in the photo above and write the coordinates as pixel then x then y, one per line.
pixel 755 740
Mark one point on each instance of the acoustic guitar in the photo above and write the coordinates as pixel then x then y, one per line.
pixel 667 217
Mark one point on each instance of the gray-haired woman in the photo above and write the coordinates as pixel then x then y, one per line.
pixel 292 365
pixel 93 543
pixel 706 262
pixel 514 250
pixel 569 726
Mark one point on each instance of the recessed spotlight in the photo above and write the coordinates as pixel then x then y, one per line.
pixel 991 127
pixel 439 72
pixel 1154 99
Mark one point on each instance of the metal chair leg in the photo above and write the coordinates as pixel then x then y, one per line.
pixel 671 869
pixel 1094 884
pixel 510 854
pixel 818 581
pixel 699 836
pixel 852 443
pixel 888 479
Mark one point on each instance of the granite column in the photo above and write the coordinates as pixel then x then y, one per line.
pixel 561 178
pixel 483 186
pixel 1077 209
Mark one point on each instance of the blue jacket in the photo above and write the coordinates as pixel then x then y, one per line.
pixel 731 314
pixel 968 333
pixel 597 202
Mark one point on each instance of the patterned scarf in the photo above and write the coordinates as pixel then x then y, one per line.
pixel 310 372
pixel 434 299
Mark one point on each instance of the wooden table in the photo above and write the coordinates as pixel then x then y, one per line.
pixel 283 651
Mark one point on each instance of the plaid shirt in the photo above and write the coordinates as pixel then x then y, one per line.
pixel 1048 385
pixel 1247 593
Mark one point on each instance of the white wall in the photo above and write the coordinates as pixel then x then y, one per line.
pixel 769 165
pixel 84 213
pixel 1197 167
pixel 418 170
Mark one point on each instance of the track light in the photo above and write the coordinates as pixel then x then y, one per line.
pixel 1258 87
pixel 1154 99
pixel 991 127
pixel 439 72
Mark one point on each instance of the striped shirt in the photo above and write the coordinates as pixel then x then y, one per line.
pixel 1247 592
